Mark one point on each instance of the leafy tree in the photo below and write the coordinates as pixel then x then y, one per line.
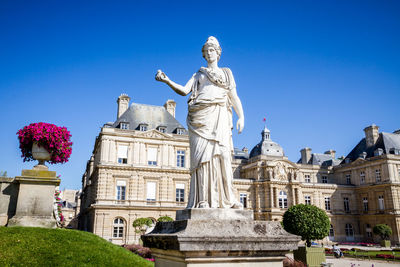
pixel 141 224
pixel 383 230
pixel 307 221
pixel 165 219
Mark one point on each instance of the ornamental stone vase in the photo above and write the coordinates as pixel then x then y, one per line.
pixel 40 154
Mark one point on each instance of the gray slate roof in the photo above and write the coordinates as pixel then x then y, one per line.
pixel 386 141
pixel 153 116
pixel 267 146
pixel 322 160
pixel 240 154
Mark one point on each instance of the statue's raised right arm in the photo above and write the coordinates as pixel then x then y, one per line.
pixel 179 89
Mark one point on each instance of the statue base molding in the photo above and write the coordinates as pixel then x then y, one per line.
pixel 208 238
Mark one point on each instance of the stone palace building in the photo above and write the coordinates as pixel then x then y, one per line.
pixel 140 168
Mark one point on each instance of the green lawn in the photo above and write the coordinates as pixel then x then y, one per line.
pixel 372 254
pixel 29 246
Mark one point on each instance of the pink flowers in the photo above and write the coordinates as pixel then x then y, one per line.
pixel 56 140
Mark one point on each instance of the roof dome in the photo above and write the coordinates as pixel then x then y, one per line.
pixel 267 146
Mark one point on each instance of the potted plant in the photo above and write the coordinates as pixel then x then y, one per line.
pixel 384 231
pixel 311 223
pixel 45 142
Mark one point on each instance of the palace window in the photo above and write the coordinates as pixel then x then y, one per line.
pixel 123 154
pixel 327 203
pixel 346 204
pixel 282 200
pixel 378 175
pixel 180 193
pixel 124 126
pixel 180 131
pixel 121 190
pixel 362 177
pixel 368 230
pixel 118 228
pixel 151 191
pixel 307 200
pixel 349 230
pixel 381 203
pixel 152 156
pixel 331 232
pixel 243 199
pixel 324 179
pixel 365 204
pixel 180 158
pixel 348 178
pixel 143 127
pixel 162 129
pixel 307 178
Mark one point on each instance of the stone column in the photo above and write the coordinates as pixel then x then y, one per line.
pixel 271 196
pixel 35 204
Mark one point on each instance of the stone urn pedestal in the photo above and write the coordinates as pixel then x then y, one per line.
pixel 35 202
pixel 219 237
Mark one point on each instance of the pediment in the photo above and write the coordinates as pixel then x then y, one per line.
pixel 154 134
pixel 358 161
pixel 282 162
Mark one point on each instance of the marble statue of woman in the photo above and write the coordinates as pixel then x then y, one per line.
pixel 209 120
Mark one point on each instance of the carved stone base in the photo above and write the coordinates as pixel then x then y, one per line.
pixel 209 237
pixel 35 199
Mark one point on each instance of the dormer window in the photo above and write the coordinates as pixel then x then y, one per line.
pixel 180 131
pixel 143 127
pixel 162 129
pixel 124 126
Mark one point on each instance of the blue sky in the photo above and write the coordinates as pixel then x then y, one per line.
pixel 319 71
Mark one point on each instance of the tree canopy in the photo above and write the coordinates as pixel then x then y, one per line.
pixel 383 230
pixel 307 221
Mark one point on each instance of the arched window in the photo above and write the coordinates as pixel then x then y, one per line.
pixel 349 230
pixel 118 228
pixel 282 200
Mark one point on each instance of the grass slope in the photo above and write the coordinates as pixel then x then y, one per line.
pixel 29 246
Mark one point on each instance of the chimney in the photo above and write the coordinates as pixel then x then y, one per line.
pixel 123 104
pixel 305 155
pixel 170 107
pixel 371 134
pixel 331 152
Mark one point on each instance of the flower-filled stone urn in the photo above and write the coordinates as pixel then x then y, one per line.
pixel 45 142
pixel 40 154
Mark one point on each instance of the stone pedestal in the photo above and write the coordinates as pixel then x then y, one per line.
pixel 219 237
pixel 35 199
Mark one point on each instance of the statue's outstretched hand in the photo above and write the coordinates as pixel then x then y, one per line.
pixel 240 125
pixel 161 77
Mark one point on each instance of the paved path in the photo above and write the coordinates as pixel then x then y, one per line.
pixel 346 262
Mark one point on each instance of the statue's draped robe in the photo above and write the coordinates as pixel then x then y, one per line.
pixel 209 122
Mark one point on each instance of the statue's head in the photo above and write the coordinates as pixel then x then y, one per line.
pixel 213 42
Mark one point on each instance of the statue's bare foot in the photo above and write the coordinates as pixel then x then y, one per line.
pixel 203 205
pixel 238 206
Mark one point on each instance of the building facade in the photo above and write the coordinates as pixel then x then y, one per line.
pixel 140 167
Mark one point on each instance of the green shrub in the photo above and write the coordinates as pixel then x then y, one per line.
pixel 165 219
pixel 383 230
pixel 141 224
pixel 307 221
